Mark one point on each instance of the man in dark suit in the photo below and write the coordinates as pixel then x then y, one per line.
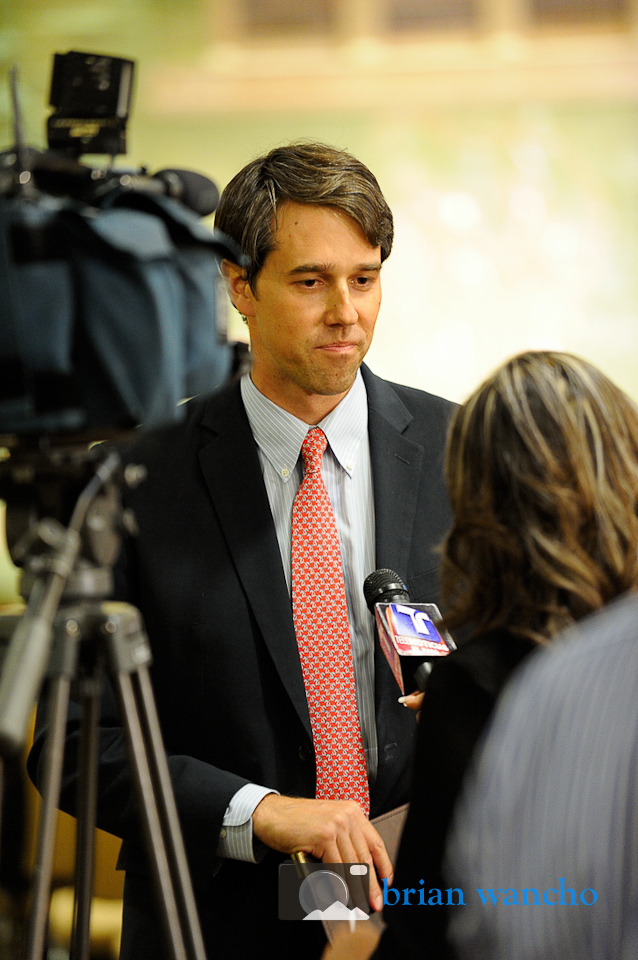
pixel 210 569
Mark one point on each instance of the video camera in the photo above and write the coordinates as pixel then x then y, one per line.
pixel 110 313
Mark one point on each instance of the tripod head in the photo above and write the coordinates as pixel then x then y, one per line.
pixel 64 523
pixel 41 483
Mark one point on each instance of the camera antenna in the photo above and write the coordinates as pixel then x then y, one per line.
pixel 23 172
pixel 18 132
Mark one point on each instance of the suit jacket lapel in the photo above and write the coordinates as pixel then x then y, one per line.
pixel 396 467
pixel 397 464
pixel 241 503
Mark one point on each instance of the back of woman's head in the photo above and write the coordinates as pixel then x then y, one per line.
pixel 542 470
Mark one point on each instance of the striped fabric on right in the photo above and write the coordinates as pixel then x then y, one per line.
pixel 545 839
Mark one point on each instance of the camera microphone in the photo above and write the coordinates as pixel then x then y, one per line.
pixel 409 633
pixel 194 190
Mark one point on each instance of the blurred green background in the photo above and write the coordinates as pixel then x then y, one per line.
pixel 503 132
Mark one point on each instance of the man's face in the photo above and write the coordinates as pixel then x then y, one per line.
pixel 312 311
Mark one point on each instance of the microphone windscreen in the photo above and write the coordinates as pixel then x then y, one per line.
pixel 384 586
pixel 196 191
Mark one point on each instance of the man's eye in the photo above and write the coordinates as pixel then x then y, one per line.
pixel 309 283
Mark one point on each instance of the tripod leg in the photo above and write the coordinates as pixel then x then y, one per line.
pixel 58 706
pixel 86 813
pixel 170 818
pixel 150 814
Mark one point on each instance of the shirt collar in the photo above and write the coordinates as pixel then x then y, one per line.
pixel 280 435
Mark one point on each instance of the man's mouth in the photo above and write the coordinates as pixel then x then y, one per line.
pixel 339 345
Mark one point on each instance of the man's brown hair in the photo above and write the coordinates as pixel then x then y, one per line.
pixel 303 173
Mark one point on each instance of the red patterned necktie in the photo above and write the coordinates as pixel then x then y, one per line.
pixel 320 616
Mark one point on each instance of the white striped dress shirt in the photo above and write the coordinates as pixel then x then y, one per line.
pixel 347 473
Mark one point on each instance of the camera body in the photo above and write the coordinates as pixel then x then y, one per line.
pixel 112 314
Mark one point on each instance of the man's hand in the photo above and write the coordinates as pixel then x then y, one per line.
pixel 333 831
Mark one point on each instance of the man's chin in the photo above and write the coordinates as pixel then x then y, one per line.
pixel 335 386
pixel 336 377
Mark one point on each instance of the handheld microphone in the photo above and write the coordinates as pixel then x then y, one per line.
pixel 409 633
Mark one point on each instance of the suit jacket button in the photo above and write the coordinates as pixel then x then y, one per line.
pixel 304 753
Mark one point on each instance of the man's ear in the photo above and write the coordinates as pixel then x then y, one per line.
pixel 238 288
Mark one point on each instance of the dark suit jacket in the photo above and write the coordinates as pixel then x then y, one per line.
pixel 206 573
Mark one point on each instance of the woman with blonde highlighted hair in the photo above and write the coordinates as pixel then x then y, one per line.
pixel 542 472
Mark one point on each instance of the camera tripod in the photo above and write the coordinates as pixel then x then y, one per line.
pixel 71 635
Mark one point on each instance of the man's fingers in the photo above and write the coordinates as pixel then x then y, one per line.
pixel 382 862
pixel 332 854
pixel 381 868
pixel 347 849
pixel 364 845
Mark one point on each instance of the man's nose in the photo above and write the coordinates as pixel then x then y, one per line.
pixel 341 308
